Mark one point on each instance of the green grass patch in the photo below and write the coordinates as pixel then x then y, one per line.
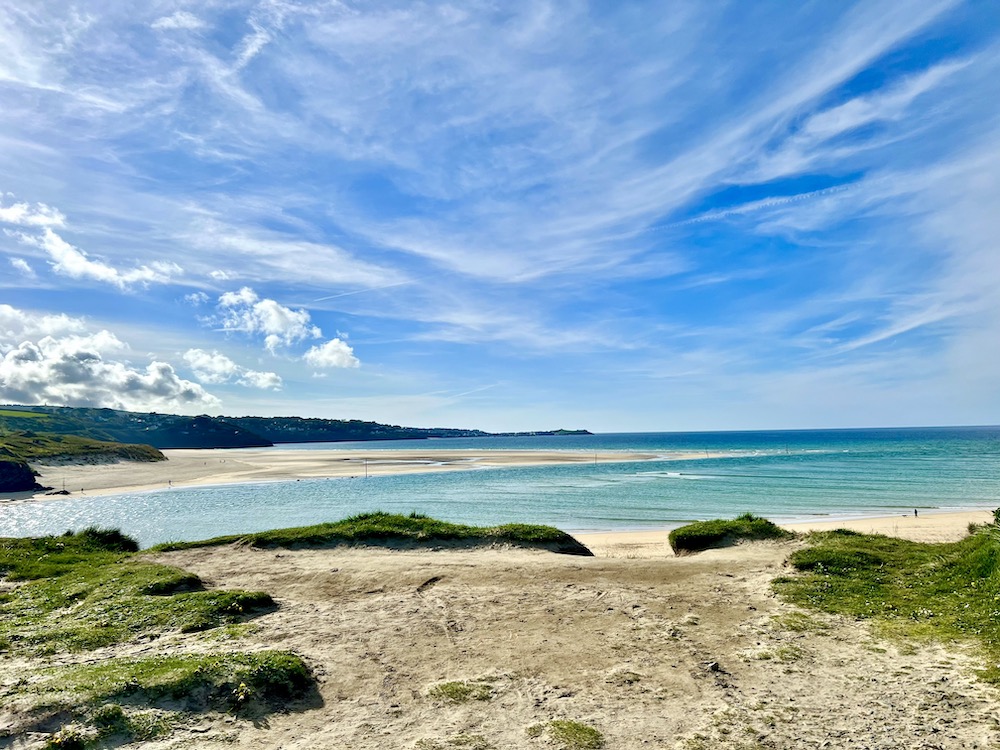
pixel 18 414
pixel 389 529
pixel 39 447
pixel 461 691
pixel 141 699
pixel 87 590
pixel 702 535
pixel 941 591
pixel 199 681
pixel 569 735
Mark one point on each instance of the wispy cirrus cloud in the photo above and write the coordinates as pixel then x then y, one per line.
pixel 745 187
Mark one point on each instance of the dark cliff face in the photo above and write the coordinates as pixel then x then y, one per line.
pixel 16 476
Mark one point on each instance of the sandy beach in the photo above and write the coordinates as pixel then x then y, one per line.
pixel 928 527
pixel 203 466
pixel 650 649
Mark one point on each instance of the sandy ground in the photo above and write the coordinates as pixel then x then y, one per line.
pixel 653 651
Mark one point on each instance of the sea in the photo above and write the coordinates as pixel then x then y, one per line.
pixel 782 475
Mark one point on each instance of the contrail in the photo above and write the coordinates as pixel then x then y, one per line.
pixel 362 291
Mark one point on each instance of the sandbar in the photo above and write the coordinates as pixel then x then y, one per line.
pixel 192 467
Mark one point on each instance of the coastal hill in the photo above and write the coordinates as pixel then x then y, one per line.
pixel 19 449
pixel 63 434
pixel 174 431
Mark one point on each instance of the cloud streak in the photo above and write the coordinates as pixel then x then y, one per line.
pixel 543 189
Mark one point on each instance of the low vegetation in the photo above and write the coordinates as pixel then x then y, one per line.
pixel 141 699
pixel 387 529
pixel 569 735
pixel 703 535
pixel 42 447
pixel 458 742
pixel 941 591
pixel 91 589
pixel 199 681
pixel 87 590
pixel 461 691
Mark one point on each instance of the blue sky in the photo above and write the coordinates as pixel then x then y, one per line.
pixel 514 216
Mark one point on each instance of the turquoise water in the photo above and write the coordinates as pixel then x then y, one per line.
pixel 782 475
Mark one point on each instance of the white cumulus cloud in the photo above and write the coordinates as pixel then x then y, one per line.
pixel 35 224
pixel 30 215
pixel 73 262
pixel 245 311
pixel 22 265
pixel 16 325
pixel 263 380
pixel 214 367
pixel 333 353
pixel 50 359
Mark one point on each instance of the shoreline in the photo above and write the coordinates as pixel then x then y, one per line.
pixel 215 466
pixel 221 467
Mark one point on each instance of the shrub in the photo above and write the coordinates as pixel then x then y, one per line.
pixel 569 735
pixel 110 540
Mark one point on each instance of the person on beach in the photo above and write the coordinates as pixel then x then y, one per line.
pixel 914 512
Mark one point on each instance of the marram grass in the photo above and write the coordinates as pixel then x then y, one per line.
pixel 390 529
pixel 703 535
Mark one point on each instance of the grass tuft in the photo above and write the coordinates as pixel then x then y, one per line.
pixel 202 681
pixel 568 735
pixel 461 692
pixel 703 535
pixel 124 699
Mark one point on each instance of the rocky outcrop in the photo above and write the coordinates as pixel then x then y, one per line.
pixel 16 476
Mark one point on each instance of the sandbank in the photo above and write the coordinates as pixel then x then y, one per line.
pixel 185 468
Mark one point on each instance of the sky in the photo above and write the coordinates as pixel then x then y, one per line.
pixel 618 216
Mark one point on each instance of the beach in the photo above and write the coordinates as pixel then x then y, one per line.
pixel 649 649
pixel 192 468
pixel 187 468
